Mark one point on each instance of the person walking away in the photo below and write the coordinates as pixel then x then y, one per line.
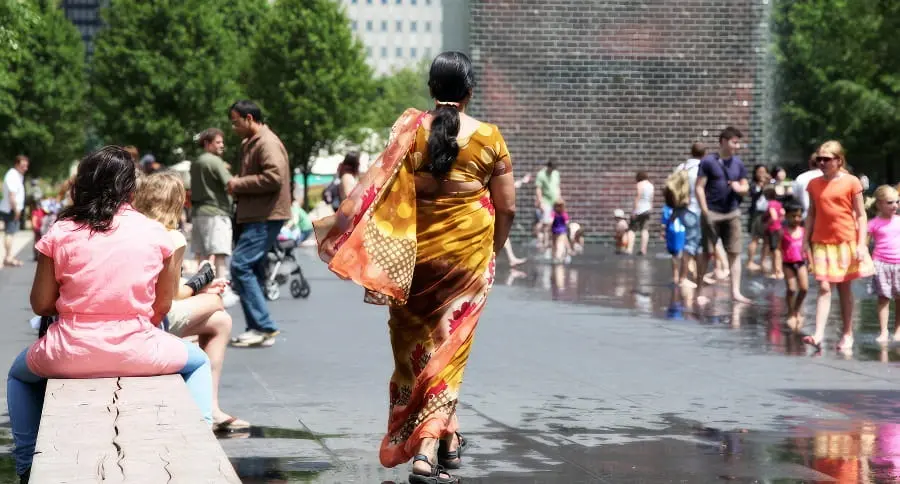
pixel 547 190
pixel 443 210
pixel 798 187
pixel 836 240
pixel 560 230
pixel 674 234
pixel 107 272
pixel 643 203
pixel 774 222
pixel 721 182
pixel 12 206
pixel 796 274
pixel 197 307
pixel 690 215
pixel 263 192
pixel 884 229
pixel 211 235
pixel 759 205
pixel 349 174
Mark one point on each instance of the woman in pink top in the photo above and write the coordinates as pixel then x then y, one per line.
pixel 106 271
pixel 885 230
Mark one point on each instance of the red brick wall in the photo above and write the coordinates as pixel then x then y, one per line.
pixel 609 88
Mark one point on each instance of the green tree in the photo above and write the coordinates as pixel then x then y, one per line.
pixel 161 72
pixel 18 20
pixel 49 125
pixel 308 73
pixel 840 73
pixel 405 88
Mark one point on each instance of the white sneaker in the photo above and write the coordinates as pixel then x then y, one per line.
pixel 255 338
pixel 248 335
pixel 229 297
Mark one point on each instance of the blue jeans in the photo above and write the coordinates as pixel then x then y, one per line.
pixel 248 271
pixel 25 399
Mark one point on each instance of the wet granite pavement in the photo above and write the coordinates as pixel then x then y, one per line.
pixel 592 372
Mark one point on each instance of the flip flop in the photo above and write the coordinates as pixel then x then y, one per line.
pixel 812 342
pixel 448 459
pixel 436 476
pixel 231 424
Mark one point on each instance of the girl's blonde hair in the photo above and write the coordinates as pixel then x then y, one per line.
pixel 559 204
pixel 835 149
pixel 160 196
pixel 885 191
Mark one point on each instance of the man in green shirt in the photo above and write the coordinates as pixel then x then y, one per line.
pixel 211 205
pixel 547 188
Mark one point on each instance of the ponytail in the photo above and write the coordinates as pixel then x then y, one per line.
pixel 442 146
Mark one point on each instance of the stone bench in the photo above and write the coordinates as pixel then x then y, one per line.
pixel 128 430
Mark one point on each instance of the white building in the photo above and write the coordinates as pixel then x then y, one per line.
pixel 396 33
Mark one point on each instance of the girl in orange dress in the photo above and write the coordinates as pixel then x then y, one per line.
pixel 836 240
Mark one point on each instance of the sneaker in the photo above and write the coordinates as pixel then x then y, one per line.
pixel 248 335
pixel 229 297
pixel 205 274
pixel 259 338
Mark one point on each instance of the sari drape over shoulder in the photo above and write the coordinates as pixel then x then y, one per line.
pixel 430 257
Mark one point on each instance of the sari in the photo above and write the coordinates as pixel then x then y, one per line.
pixel 431 260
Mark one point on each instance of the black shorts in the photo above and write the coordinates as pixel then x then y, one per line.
pixel 795 266
pixel 774 239
pixel 639 221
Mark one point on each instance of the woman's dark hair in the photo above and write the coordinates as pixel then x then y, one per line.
pixel 641 176
pixel 350 164
pixel 105 180
pixel 756 169
pixel 450 80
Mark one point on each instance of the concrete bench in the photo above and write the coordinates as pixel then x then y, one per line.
pixel 128 430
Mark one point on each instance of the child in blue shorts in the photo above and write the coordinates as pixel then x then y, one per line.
pixel 674 234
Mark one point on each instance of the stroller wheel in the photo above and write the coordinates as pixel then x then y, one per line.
pixel 273 292
pixel 299 288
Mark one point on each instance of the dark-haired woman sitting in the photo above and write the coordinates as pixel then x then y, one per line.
pixel 422 228
pixel 107 271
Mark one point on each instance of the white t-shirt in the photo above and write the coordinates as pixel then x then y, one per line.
pixel 13 182
pixel 692 166
pixel 798 188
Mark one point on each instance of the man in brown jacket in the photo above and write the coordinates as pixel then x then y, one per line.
pixel 263 199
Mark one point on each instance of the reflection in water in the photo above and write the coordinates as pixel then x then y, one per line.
pixel 642 286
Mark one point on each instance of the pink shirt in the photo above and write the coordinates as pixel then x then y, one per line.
pixel 792 245
pixel 886 233
pixel 775 223
pixel 107 286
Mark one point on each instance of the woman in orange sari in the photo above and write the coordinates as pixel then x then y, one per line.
pixel 420 232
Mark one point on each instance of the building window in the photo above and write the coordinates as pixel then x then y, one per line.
pixel 369 2
pixel 368 52
pixel 399 52
pixel 399 26
pixel 384 25
pixel 428 52
pixel 355 25
pixel 413 27
pixel 399 2
pixel 384 52
pixel 428 2
pixel 354 2
pixel 384 2
pixel 412 52
pixel 412 2
pixel 368 25
pixel 428 26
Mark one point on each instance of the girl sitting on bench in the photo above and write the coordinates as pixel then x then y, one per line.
pixel 107 271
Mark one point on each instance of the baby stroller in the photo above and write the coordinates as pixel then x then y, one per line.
pixel 282 267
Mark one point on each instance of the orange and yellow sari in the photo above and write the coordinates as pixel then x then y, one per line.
pixel 431 260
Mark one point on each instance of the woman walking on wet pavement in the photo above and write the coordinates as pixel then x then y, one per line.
pixel 884 229
pixel 419 233
pixel 836 240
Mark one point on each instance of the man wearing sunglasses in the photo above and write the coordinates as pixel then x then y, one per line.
pixel 721 183
pixel 798 188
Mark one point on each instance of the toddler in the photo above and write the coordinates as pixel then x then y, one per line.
pixel 884 229
pixel 774 218
pixel 560 230
pixel 674 233
pixel 621 229
pixel 796 274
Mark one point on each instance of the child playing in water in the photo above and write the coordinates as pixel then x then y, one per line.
pixel 774 218
pixel 674 234
pixel 796 275
pixel 621 229
pixel 560 231
pixel 884 229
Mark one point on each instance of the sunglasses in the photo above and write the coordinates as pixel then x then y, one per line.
pixel 824 159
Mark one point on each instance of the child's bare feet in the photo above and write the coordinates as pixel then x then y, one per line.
pixel 793 323
pixel 846 342
pixel 897 336
pixel 753 267
pixel 883 338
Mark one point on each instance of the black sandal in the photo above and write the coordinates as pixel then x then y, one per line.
pixel 436 476
pixel 451 460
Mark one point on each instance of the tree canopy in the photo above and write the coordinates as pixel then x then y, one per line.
pixel 163 71
pixel 308 73
pixel 840 72
pixel 394 93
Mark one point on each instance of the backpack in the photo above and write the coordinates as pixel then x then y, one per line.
pixel 678 189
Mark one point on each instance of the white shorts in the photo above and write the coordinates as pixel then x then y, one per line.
pixel 179 316
pixel 546 213
pixel 211 235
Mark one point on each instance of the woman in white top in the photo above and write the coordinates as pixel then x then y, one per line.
pixel 643 203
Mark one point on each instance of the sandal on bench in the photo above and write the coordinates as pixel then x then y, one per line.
pixel 448 459
pixel 437 476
